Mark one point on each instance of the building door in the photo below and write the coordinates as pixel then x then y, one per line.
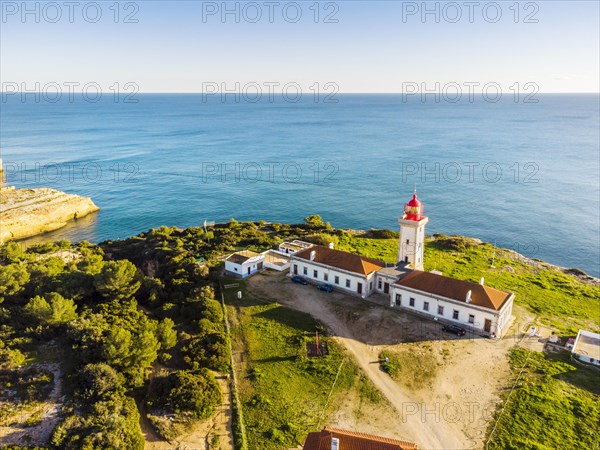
pixel 359 288
pixel 487 327
pixel 386 288
pixel 295 269
pixel 248 270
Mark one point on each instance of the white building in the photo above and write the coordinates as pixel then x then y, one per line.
pixel 344 271
pixel 244 263
pixel 411 245
pixel 481 308
pixel 471 305
pixel 587 347
pixel 276 260
pixel 295 246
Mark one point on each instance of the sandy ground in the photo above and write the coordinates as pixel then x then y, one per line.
pixel 451 413
pixel 49 418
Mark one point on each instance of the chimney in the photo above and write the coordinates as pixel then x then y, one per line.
pixel 331 245
pixel 468 299
pixel 335 443
pixel 313 254
pixel 481 281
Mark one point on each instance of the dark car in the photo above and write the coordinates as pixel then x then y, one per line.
pixel 454 329
pixel 325 287
pixel 300 280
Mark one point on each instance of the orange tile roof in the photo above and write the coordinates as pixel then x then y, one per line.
pixel 452 288
pixel 351 440
pixel 341 260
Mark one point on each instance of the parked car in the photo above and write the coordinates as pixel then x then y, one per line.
pixel 300 280
pixel 325 287
pixel 454 329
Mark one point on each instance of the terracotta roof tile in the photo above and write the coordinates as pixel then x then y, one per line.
pixel 452 288
pixel 351 440
pixel 341 260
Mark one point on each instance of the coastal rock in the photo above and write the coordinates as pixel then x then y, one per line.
pixel 28 212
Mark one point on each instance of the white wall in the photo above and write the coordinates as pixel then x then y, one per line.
pixel 287 250
pixel 242 269
pixel 414 232
pixel 449 306
pixel 383 279
pixel 588 359
pixel 368 281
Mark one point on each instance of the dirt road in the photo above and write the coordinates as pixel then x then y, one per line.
pixel 412 422
pixel 49 416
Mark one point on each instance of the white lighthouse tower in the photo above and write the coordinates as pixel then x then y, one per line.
pixel 412 234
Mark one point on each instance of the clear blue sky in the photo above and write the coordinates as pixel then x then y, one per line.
pixel 370 48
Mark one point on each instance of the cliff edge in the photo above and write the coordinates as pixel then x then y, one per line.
pixel 28 212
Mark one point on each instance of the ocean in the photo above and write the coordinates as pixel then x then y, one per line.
pixel 522 175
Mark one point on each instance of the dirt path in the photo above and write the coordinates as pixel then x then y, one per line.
pixel 450 412
pixel 49 416
pixel 415 426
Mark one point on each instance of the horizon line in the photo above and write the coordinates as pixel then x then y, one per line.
pixel 281 92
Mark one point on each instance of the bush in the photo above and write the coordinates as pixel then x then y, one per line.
pixel 99 382
pixel 209 350
pixel 383 234
pixel 112 424
pixel 182 397
pixel 389 363
pixel 10 358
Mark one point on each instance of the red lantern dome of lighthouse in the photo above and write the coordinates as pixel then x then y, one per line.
pixel 413 210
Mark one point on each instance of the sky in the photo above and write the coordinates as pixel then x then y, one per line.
pixel 342 46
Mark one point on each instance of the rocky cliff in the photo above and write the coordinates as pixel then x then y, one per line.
pixel 27 212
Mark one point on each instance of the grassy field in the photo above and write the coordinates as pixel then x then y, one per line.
pixel 554 406
pixel 384 249
pixel 561 301
pixel 414 368
pixel 284 393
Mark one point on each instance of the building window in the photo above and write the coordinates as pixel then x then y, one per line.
pixel 379 284
pixel 337 280
pixel 326 277
pixel 398 299
pixel 471 318
pixel 305 271
pixel 440 310
pixel 371 286
pixel 455 314
pixel 407 241
pixel 235 268
pixel 425 306
pixel 411 302
pixel 347 283
pixel 315 274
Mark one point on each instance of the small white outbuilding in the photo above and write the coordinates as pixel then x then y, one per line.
pixel 245 263
pixel 587 347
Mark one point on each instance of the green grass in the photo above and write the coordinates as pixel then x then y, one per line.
pixel 415 368
pixel 560 300
pixel 554 406
pixel 283 392
pixel 383 249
